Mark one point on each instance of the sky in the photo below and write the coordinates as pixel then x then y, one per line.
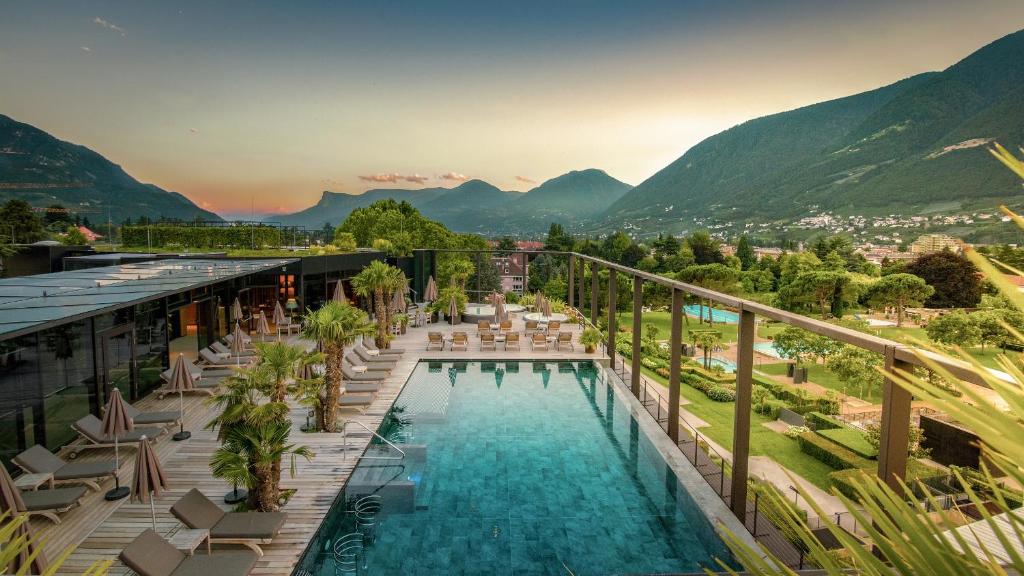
pixel 261 106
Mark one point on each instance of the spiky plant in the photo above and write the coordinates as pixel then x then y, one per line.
pixel 907 540
pixel 248 455
pixel 377 282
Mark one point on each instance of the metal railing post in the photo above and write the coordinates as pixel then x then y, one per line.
pixel 675 343
pixel 741 419
pixel 638 305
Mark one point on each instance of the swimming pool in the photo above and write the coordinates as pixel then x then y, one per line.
pixel 515 468
pixel 727 365
pixel 715 314
pixel 768 349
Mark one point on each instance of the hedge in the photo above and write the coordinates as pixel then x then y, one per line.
pixel 831 453
pixel 843 481
pixel 771 407
pixel 698 370
pixel 161 235
pixel 851 439
pixel 788 393
pixel 819 421
pixel 721 394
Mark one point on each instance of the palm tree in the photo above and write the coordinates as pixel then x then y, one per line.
pixel 378 282
pixel 248 455
pixel 281 361
pixel 334 326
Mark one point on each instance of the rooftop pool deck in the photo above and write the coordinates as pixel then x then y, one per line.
pixel 514 467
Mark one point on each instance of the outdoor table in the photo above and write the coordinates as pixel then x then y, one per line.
pixel 34 481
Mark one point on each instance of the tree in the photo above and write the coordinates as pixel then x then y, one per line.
pixel 378 282
pixel 707 340
pixel 344 241
pixel 857 367
pixel 705 248
pixel 455 270
pixel 335 326
pixel 745 253
pixel 793 343
pixel 955 279
pixel 822 288
pixel 485 276
pixel 74 237
pixel 873 436
pixel 717 277
pixel 900 291
pixel 558 239
pixel 18 219
pixel 954 329
pixel 55 213
pixel 991 325
pixel 506 244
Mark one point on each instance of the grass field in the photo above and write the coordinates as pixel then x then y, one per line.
pixel 663 322
pixel 763 442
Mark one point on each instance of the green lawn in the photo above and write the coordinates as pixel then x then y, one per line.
pixel 820 375
pixel 763 442
pixel 663 321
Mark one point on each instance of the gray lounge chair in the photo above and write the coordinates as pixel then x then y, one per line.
pixel 140 418
pixel 90 430
pixel 361 387
pixel 214 359
pixel 348 373
pixel 246 340
pixel 49 503
pixel 39 460
pixel 207 386
pixel 371 344
pixel 197 372
pixel 352 400
pixel 247 528
pixel 151 555
pixel 374 362
pixel 220 348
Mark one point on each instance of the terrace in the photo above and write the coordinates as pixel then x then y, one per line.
pixel 101 529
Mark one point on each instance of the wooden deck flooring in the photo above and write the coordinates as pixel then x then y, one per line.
pixel 101 529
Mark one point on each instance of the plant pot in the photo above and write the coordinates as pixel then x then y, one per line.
pixel 589 349
pixel 402 329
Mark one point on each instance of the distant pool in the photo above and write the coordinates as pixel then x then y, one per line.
pixel 716 315
pixel 769 349
pixel 513 468
pixel 727 365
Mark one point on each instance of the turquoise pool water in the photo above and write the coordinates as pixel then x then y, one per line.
pixel 768 349
pixel 726 365
pixel 715 314
pixel 512 468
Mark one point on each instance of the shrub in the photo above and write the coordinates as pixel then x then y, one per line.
pixel 200 236
pixel 843 481
pixel 819 421
pixel 721 394
pixel 663 372
pixel 796 431
pixel 771 407
pixel 831 453
pixel 851 439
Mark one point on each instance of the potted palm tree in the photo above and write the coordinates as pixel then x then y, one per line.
pixel 590 338
pixel 335 326
pixel 378 282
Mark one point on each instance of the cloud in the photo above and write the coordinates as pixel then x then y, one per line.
pixel 393 177
pixel 454 176
pixel 109 25
pixel 525 180
pixel 193 130
pixel 332 183
pixel 86 49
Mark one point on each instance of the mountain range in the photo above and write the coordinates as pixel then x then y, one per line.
pixel 476 206
pixel 39 168
pixel 918 145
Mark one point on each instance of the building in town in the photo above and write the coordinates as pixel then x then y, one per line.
pixel 929 243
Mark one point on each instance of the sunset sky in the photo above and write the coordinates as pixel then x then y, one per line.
pixel 274 102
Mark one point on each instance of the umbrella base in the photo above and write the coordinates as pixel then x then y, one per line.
pixel 183 435
pixel 117 493
pixel 235 496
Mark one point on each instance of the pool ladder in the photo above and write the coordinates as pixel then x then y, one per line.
pixel 349 550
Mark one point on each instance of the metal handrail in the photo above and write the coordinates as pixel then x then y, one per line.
pixel 344 440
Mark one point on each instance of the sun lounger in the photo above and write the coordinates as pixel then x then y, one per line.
pixel 197 372
pixel 214 359
pixel 360 401
pixel 532 326
pixel 512 341
pixel 89 429
pixel 49 503
pixel 230 337
pixel 374 362
pixel 435 339
pixel 554 326
pixel 369 376
pixel 539 342
pixel 487 342
pixel 371 345
pixel 483 327
pixel 39 460
pixel 150 555
pixel 246 528
pixel 505 327
pixel 564 339
pixel 207 386
pixel 140 418
pixel 460 341
pixel 362 387
pixel 221 348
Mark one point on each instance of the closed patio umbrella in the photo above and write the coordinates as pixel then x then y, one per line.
pixel 398 301
pixel 238 344
pixel 115 423
pixel 339 293
pixel 181 382
pixel 149 480
pixel 262 328
pixel 453 311
pixel 11 502
pixel 546 308
pixel 279 318
pixel 430 293
pixel 236 310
